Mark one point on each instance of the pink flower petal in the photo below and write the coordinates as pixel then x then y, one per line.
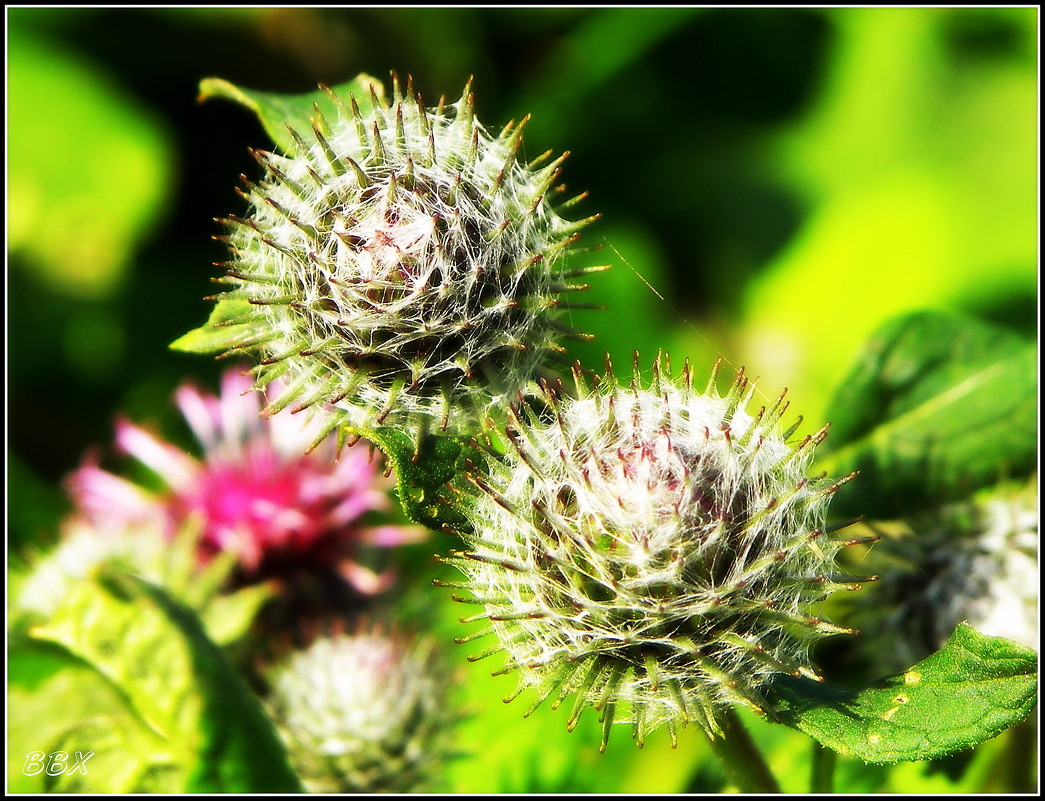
pixel 100 495
pixel 365 580
pixel 173 466
pixel 390 536
pixel 355 505
pixel 279 517
pixel 239 407
pixel 201 412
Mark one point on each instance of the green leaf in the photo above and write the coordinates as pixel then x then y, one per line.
pixel 937 407
pixel 173 563
pixel 48 690
pixel 227 618
pixel 120 756
pixel 218 334
pixel 429 479
pixel 969 691
pixel 277 111
pixel 175 682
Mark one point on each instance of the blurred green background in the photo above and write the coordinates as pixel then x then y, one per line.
pixel 786 180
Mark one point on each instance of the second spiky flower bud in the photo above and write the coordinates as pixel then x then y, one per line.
pixel 656 552
pixel 366 713
pixel 974 561
pixel 403 264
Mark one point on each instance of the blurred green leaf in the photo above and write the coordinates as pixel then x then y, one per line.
pixel 176 682
pixel 173 563
pixel 918 170
pixel 227 618
pixel 601 46
pixel 278 111
pixel 48 689
pixel 937 406
pixel 120 755
pixel 88 169
pixel 969 691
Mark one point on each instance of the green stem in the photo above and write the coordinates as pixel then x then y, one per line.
pixel 822 778
pixel 742 761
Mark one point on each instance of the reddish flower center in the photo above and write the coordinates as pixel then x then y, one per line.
pixel 253 505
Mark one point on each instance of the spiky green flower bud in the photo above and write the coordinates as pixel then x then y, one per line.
pixel 656 552
pixel 366 713
pixel 974 561
pixel 403 264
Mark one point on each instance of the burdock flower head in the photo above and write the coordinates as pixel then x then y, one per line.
pixel 365 713
pixel 656 552
pixel 256 492
pixel 402 264
pixel 975 561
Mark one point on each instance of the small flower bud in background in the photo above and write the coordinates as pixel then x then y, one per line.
pixel 404 266
pixel 366 713
pixel 975 561
pixel 658 553
pixel 256 493
pixel 143 548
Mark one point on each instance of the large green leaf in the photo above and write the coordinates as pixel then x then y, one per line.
pixel 972 689
pixel 937 406
pixel 114 755
pixel 173 563
pixel 209 733
pixel 277 111
pixel 49 689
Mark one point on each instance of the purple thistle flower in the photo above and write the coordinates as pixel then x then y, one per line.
pixel 256 492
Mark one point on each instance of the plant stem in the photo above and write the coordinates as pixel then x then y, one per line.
pixel 742 761
pixel 822 777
